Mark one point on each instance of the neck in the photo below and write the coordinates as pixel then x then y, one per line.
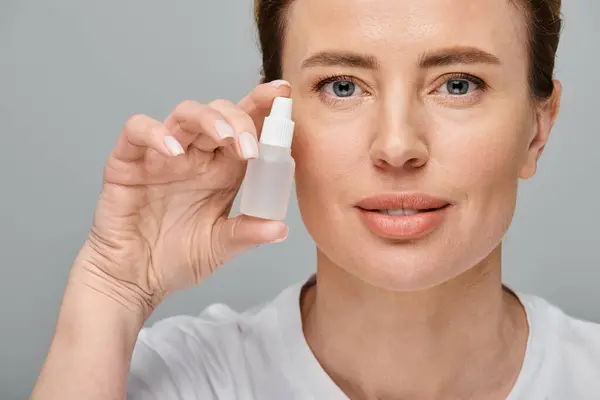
pixel 435 343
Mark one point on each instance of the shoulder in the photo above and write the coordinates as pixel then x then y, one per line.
pixel 577 339
pixel 571 347
pixel 579 344
pixel 206 356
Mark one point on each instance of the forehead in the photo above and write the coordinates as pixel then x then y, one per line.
pixel 403 29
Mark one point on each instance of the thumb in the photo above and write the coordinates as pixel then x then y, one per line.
pixel 242 233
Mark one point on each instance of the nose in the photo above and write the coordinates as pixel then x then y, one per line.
pixel 400 139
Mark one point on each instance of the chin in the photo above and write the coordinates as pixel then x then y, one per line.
pixel 401 266
pixel 408 265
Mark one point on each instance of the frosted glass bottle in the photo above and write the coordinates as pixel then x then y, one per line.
pixel 268 182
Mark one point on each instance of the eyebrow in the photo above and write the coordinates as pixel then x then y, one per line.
pixel 457 55
pixel 438 58
pixel 344 59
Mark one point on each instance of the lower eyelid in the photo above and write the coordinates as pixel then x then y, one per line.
pixel 458 100
pixel 330 97
pixel 333 101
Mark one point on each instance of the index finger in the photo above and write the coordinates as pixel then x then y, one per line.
pixel 258 102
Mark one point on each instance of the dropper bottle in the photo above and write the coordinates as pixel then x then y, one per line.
pixel 268 182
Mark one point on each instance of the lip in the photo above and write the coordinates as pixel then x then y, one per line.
pixel 407 201
pixel 432 213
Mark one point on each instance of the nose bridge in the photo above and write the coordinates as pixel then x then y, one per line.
pixel 400 135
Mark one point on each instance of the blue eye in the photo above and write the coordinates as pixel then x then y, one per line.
pixel 459 87
pixel 341 88
pixel 344 88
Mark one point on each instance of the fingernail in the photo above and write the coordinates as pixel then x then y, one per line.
pixel 248 145
pixel 173 146
pixel 224 130
pixel 280 82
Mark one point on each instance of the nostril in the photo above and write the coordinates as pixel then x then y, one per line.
pixel 413 163
pixel 417 162
pixel 394 153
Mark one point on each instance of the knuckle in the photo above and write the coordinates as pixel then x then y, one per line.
pixel 217 255
pixel 235 227
pixel 135 122
pixel 186 106
pixel 221 103
pixel 237 115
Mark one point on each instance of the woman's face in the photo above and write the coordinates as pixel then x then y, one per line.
pixel 410 100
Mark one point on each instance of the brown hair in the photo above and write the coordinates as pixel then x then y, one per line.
pixel 544 19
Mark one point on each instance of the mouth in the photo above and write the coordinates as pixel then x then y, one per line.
pixel 395 203
pixel 402 212
pixel 403 216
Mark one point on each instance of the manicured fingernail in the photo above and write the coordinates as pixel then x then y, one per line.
pixel 248 145
pixel 173 146
pixel 224 130
pixel 280 82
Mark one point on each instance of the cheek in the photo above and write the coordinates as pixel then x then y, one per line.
pixel 483 151
pixel 332 154
pixel 482 155
pixel 329 150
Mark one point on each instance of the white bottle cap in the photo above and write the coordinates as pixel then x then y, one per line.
pixel 278 129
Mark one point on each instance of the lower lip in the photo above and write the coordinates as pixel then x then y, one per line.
pixel 403 227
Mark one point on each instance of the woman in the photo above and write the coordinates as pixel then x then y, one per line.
pixel 415 121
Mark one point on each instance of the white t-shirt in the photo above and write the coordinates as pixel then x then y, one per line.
pixel 262 354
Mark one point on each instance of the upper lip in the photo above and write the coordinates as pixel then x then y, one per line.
pixel 405 201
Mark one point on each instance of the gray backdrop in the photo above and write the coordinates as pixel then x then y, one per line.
pixel 71 72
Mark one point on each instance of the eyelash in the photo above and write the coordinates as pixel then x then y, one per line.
pixel 327 79
pixel 480 83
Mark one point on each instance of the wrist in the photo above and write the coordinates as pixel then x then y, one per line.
pixel 90 274
pixel 85 309
pixel 92 346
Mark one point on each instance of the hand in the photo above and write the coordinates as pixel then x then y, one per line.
pixel 162 222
